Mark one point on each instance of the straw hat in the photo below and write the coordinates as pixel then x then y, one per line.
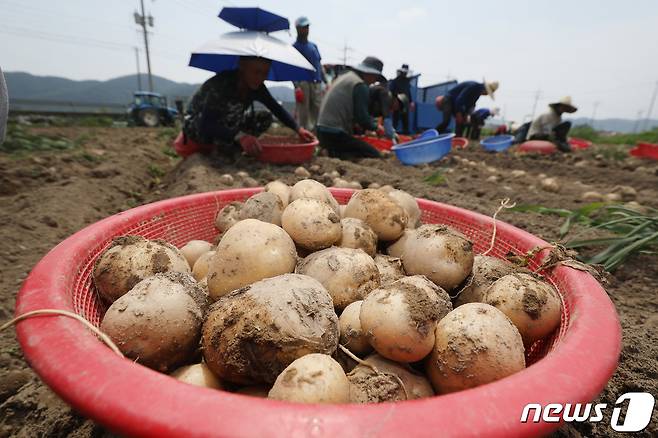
pixel 491 88
pixel 566 104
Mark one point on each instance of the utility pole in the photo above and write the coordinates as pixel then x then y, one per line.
pixel 139 74
pixel 346 49
pixel 637 121
pixel 650 110
pixel 534 107
pixel 596 105
pixel 143 20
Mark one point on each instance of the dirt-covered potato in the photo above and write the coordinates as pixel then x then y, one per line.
pixel 396 248
pixel 391 382
pixel 250 251
pixel 357 234
pixel 228 216
pixel 347 274
pixel 282 190
pixel 533 305
pixel 129 260
pixel 399 319
pixel 408 202
pixel 158 322
pixel 309 188
pixel 314 378
pixel 199 375
pixel 312 224
pixel 202 265
pixel 440 253
pixel 252 334
pixel 386 218
pixel 486 270
pixel 351 333
pixel 390 268
pixel 264 206
pixel 475 344
pixel 194 249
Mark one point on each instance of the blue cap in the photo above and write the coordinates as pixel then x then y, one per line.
pixel 302 22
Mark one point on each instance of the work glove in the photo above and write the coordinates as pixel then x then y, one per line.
pixel 306 135
pixel 250 144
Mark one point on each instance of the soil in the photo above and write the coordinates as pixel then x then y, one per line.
pixel 47 196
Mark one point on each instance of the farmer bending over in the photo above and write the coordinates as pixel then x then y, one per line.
pixel 217 114
pixel 346 104
pixel 549 126
pixel 460 101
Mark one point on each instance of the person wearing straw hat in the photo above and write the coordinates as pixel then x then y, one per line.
pixel 308 94
pixel 460 101
pixel 549 126
pixel 346 105
pixel 477 120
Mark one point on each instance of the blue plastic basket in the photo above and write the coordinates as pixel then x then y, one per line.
pixel 497 143
pixel 423 150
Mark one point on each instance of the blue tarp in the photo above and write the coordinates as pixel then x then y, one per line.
pixel 254 19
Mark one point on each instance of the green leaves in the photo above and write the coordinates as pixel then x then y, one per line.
pixel 633 231
pixel 436 179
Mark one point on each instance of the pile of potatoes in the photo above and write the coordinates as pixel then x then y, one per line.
pixel 308 301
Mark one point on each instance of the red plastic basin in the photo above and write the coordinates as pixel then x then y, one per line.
pixel 538 147
pixel 459 142
pixel 285 150
pixel 383 144
pixel 645 150
pixel 579 143
pixel 573 365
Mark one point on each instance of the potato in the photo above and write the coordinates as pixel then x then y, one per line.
pixel 357 234
pixel 158 322
pixel 386 218
pixel 475 344
pixel 390 269
pixel 129 260
pixel 486 270
pixel 534 306
pixel 199 375
pixel 347 274
pixel 250 251
pixel 440 253
pixel 399 318
pixel 413 385
pixel 309 188
pixel 228 216
pixel 282 190
pixel 341 210
pixel 312 224
pixel 351 333
pixel 264 206
pixel 409 204
pixel 202 265
pixel 314 378
pixel 194 249
pixel 396 248
pixel 252 334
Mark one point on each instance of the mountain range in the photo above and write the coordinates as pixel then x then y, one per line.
pixel 119 91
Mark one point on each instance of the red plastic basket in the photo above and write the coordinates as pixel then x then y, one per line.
pixel 572 366
pixel 543 147
pixel 383 144
pixel 579 143
pixel 645 150
pixel 285 150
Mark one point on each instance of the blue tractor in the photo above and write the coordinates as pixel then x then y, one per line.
pixel 151 109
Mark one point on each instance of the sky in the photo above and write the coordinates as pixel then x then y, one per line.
pixel 603 53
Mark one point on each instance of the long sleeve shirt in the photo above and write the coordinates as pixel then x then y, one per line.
pixel 311 52
pixel 544 124
pixel 465 95
pixel 217 110
pixel 361 98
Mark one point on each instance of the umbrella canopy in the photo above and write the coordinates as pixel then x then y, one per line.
pixel 223 54
pixel 254 19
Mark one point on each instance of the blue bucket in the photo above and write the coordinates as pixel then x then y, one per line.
pixel 497 143
pixel 423 150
